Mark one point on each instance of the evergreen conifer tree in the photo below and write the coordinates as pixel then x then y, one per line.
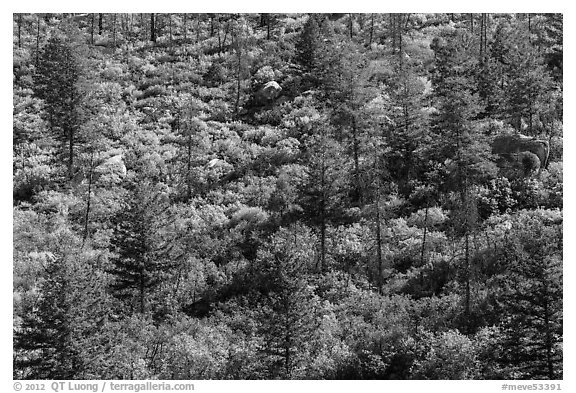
pixel 55 82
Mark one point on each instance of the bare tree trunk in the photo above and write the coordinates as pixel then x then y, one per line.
pixel 323 218
pixel 226 30
pixel 379 239
pixel 184 30
pixel 371 29
pixel 142 295
pixel 114 29
pixel 467 262
pixel 152 27
pixel 238 74
pixel 219 39
pixel 189 167
pixel 170 26
pixel 124 21
pixel 19 30
pixel 89 198
pixel 400 47
pixel 356 148
pixel 548 336
pixel 71 153
pixel 393 30
pixel 351 25
pixel 92 30
pixel 322 238
pixel 422 251
pixel 482 21
pixel 100 22
pixel 37 42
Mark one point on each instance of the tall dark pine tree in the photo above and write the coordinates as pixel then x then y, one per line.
pixel 531 300
pixel 290 315
pixel 56 83
pixel 529 83
pixel 308 52
pixel 459 147
pixel 153 27
pixel 137 267
pixel 550 40
pixel 324 194
pixel 45 337
pixel 188 127
pixel 407 129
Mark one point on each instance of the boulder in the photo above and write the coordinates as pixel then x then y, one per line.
pixel 521 152
pixel 112 165
pixel 270 91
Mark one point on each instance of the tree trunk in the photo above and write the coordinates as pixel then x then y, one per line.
pixel 467 288
pixel 288 344
pixel 19 30
pixel 184 27
pixel 100 22
pixel 400 48
pixel 124 23
pixel 142 294
pixel 114 29
pixel 170 26
pixel 189 167
pixel 71 152
pixel 238 76
pixel 548 336
pixel 393 30
pixel 422 251
pixel 89 198
pixel 323 219
pixel 152 27
pixel 219 39
pixel 356 148
pixel 92 30
pixel 379 239
pixel 371 29
pixel 482 24
pixel 226 30
pixel 37 42
pixel 351 25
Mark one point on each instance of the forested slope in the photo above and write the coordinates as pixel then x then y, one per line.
pixel 286 196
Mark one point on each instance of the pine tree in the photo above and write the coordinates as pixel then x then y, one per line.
pixel 406 136
pixel 45 336
pixel 345 91
pixel 289 316
pixel 459 147
pixel 308 52
pixel 138 267
pixel 61 333
pixel 56 83
pixel 531 296
pixel 323 196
